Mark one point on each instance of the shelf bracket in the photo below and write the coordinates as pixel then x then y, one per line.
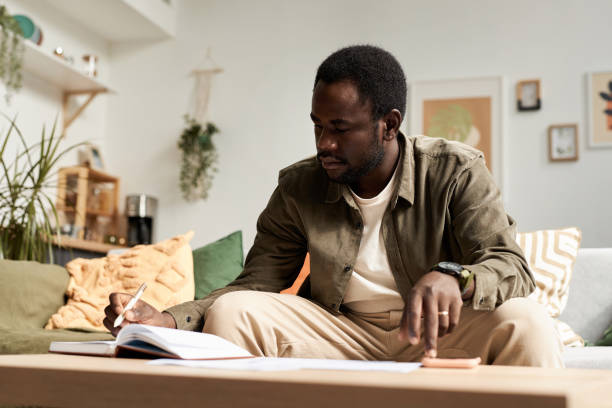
pixel 66 97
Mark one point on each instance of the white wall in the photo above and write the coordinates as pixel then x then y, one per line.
pixel 270 50
pixel 39 103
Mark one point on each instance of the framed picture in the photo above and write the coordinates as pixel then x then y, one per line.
pixel 599 100
pixel 91 157
pixel 528 95
pixel 465 110
pixel 563 142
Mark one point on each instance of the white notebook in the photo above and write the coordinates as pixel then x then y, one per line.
pixel 140 339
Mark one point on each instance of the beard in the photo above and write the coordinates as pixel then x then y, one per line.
pixel 374 156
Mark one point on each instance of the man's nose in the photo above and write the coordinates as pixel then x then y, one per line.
pixel 326 142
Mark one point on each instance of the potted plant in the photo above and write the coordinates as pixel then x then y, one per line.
pixel 11 53
pixel 199 157
pixel 28 219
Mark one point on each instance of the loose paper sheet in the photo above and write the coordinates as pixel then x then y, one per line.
pixel 292 364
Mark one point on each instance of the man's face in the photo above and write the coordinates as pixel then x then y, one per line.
pixel 349 144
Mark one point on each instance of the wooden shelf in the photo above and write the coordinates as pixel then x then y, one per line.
pixel 58 72
pixel 122 20
pixel 89 213
pixel 100 247
pixel 92 174
pixel 71 81
pixel 98 213
pixel 85 218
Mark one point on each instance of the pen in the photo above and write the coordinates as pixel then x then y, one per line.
pixel 130 304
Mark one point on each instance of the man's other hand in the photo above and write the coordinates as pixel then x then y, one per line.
pixel 433 307
pixel 142 313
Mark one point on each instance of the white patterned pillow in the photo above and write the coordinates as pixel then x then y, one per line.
pixel 551 255
pixel 568 336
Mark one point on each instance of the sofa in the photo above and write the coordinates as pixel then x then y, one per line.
pixel 589 308
pixel 30 293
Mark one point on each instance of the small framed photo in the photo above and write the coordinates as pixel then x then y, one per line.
pixel 563 142
pixel 91 157
pixel 528 95
pixel 599 100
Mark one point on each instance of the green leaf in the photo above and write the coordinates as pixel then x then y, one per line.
pixel 27 212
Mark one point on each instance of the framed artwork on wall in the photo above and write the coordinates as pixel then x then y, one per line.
pixel 91 157
pixel 563 142
pixel 464 110
pixel 528 95
pixel 599 101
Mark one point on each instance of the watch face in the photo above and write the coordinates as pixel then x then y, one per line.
pixel 451 266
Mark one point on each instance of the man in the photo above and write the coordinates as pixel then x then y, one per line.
pixel 411 249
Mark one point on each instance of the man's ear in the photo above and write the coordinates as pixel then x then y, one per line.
pixel 392 121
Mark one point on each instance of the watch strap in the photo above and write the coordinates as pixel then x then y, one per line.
pixel 466 283
pixel 464 276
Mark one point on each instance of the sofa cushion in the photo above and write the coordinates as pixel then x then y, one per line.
pixel 29 293
pixel 217 264
pixel 551 255
pixel 166 267
pixel 568 336
pixel 589 305
pixel 36 341
pixel 588 357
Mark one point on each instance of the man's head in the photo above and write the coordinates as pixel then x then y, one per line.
pixel 358 103
pixel 376 73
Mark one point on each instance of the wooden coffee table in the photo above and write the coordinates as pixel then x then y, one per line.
pixel 79 381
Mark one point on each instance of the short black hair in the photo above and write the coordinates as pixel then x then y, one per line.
pixel 376 73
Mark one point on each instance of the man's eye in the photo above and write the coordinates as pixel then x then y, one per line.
pixel 341 130
pixel 318 126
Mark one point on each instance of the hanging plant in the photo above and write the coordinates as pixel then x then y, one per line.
pixel 11 53
pixel 199 157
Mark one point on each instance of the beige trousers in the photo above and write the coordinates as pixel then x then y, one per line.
pixel 518 332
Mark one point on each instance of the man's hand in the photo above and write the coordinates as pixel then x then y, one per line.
pixel 435 299
pixel 142 313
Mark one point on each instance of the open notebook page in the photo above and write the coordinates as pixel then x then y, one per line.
pixel 184 344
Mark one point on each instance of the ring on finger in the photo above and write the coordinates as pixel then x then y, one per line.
pixel 443 313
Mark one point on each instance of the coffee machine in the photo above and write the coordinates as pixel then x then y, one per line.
pixel 140 210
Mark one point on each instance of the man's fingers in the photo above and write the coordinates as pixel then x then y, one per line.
pixel 117 301
pixel 443 318
pixel 431 325
pixel 411 319
pixel 109 325
pixel 454 313
pixel 109 312
pixel 140 312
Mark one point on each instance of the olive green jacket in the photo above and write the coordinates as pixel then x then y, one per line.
pixel 445 207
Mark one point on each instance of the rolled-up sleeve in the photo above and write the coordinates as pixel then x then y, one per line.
pixel 487 238
pixel 272 264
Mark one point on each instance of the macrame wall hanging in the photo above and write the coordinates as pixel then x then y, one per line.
pixel 199 155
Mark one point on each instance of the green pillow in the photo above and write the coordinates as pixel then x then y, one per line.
pixel 30 292
pixel 217 264
pixel 606 340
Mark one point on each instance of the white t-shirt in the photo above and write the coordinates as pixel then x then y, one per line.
pixel 372 287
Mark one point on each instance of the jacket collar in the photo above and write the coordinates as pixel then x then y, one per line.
pixel 406 177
